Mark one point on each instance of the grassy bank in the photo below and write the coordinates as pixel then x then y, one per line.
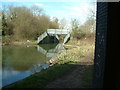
pixel 87 78
pixel 40 80
pixel 82 52
pixel 10 40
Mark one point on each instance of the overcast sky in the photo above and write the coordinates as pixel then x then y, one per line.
pixel 67 9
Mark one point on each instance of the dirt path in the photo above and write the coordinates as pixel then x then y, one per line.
pixel 72 79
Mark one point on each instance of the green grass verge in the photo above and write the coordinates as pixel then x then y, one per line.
pixel 40 80
pixel 88 77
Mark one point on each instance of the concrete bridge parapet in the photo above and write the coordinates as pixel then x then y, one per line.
pixel 52 36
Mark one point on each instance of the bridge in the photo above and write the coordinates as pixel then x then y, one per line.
pixel 53 35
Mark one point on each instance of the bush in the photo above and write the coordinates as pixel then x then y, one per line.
pixel 85 30
pixel 7 40
pixel 80 34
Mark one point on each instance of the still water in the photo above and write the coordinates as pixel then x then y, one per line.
pixel 19 62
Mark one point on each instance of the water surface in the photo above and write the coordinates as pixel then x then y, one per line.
pixel 19 62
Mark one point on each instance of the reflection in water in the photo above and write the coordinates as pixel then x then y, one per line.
pixel 21 61
pixel 51 52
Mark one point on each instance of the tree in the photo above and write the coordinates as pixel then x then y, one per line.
pixel 92 19
pixel 0 20
pixel 54 23
pixel 63 23
pixel 85 30
pixel 26 23
pixel 43 23
pixel 4 24
pixel 74 24
pixel 36 10
pixel 88 28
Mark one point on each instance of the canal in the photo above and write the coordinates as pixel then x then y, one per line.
pixel 19 62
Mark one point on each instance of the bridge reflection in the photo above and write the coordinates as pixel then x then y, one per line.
pixel 51 52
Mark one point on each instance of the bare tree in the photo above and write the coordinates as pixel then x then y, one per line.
pixel 54 23
pixel 23 24
pixel 0 26
pixel 74 24
pixel 37 10
pixel 63 23
pixel 92 19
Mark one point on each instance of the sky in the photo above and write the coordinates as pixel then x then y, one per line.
pixel 68 9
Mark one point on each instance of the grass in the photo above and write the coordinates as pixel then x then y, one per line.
pixel 88 77
pixel 10 40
